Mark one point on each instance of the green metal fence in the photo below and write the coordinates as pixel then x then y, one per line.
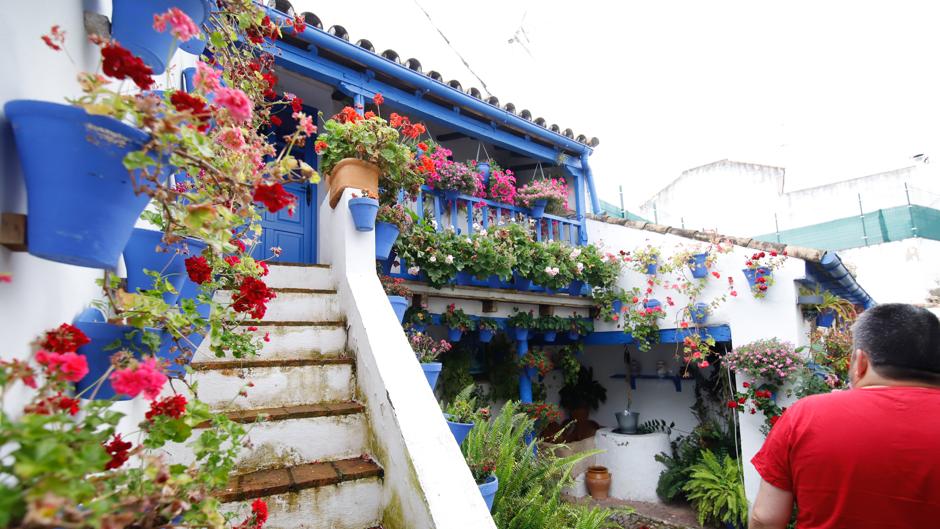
pixel 615 211
pixel 883 225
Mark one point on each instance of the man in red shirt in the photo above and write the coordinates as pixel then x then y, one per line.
pixel 869 457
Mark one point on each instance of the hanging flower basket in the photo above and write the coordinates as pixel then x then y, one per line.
pixel 537 210
pixel 576 287
pixel 699 313
pixel 141 254
pixel 132 26
pixel 81 205
pixel 759 280
pixel 521 283
pixel 103 335
pixel 549 336
pixel 697 263
pixel 386 234
pixel 521 334
pixel 488 490
pixel 454 334
pixel 432 370
pixel 486 335
pixel 484 169
pixel 363 211
pixel 459 429
pixel 652 268
pixel 826 318
pixel 399 305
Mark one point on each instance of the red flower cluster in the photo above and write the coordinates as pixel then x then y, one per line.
pixel 378 99
pixel 56 402
pixel 258 516
pixel 349 115
pixel 252 297
pixel 173 407
pixel 120 63
pixel 408 129
pixel 256 34
pixel 70 366
pixel 195 105
pixel 55 39
pixel 320 146
pixel 118 450
pixel 65 339
pixel 273 196
pixel 299 24
pixel 198 269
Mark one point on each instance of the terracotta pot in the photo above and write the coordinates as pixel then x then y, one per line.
pixel 350 172
pixel 597 480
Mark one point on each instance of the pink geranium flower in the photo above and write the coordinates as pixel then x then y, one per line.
pixel 231 138
pixel 146 377
pixel 237 103
pixel 207 78
pixel 71 366
pixel 183 27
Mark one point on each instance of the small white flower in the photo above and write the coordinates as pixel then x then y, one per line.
pixel 414 270
pixel 580 266
pixel 433 259
pixel 574 253
pixel 552 271
pixel 476 225
pixel 469 240
pixel 449 259
pixel 450 228
pixel 434 223
pixel 483 233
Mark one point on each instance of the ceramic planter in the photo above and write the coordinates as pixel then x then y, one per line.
pixel 81 205
pixel 484 168
pixel 486 335
pixel 493 281
pixel 697 265
pixel 699 313
pixel 385 236
pixel 141 254
pixel 363 212
pixel 454 334
pixel 754 274
pixel 549 336
pixel 458 429
pixel 521 283
pixel 616 306
pixel 399 305
pixel 431 370
pixel 573 335
pixel 826 318
pixel 463 278
pixel 652 304
pixel 488 490
pixel 355 174
pixel 652 268
pixel 520 334
pixel 627 421
pixel 576 287
pixel 132 26
pixel 103 335
pixel 597 480
pixel 537 210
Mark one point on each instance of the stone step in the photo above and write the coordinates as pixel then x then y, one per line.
pixel 275 382
pixel 341 494
pixel 297 305
pixel 292 435
pixel 286 275
pixel 290 340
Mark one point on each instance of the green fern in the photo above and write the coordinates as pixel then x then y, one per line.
pixel 717 490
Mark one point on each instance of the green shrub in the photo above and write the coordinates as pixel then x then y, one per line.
pixel 716 490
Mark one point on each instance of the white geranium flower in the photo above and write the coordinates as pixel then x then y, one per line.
pixel 449 259
pixel 580 266
pixel 414 270
pixel 574 253
pixel 483 233
pixel 469 240
pixel 476 225
pixel 433 259
pixel 552 271
pixel 434 223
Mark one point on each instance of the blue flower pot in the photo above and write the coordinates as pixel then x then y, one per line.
pixel 652 303
pixel 699 313
pixel 419 327
pixel 81 205
pixel 484 168
pixel 141 254
pixel 132 26
pixel 616 306
pixel 573 335
pixel 488 490
pixel 363 212
pixel 486 335
pixel 576 287
pixel 463 278
pixel 520 334
pixel 171 351
pixel 549 336
pixel 399 304
pixel 103 335
pixel 537 210
pixel 454 334
pixel 432 370
pixel 493 281
pixel 826 318
pixel 385 236
pixel 697 265
pixel 194 46
pixel 190 290
pixel 651 269
pixel 459 429
pixel 753 274
pixel 521 283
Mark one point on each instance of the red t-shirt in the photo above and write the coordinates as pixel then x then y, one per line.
pixel 859 459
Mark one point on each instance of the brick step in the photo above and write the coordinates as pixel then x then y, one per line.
pixel 292 435
pixel 276 382
pixel 290 340
pixel 289 275
pixel 339 494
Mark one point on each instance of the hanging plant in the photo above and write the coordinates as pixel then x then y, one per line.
pixel 759 271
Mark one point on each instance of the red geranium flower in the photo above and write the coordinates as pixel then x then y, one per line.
pixel 120 63
pixel 378 99
pixel 173 407
pixel 117 449
pixel 252 297
pixel 65 339
pixel 198 269
pixel 273 196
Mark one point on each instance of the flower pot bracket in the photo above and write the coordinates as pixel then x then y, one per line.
pixel 13 231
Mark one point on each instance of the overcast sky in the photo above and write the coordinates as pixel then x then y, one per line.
pixel 828 89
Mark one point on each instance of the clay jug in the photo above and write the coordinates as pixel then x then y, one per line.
pixel 597 480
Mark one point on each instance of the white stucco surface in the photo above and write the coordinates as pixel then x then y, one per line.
pixel 630 459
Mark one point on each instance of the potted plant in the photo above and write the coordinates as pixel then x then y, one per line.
pixel 759 271
pixel 536 361
pixel 550 326
pixel 391 220
pixel 543 413
pixel 454 178
pixel 457 322
pixel 523 248
pixel 716 490
pixel 462 413
pixel 362 151
pixel 582 395
pixel 427 350
pixel 642 323
pixel 578 327
pixel 397 293
pixel 418 318
pixel 544 194
pixel 646 259
pixel 364 206
pixel 487 327
pixel 830 310
pixel 770 360
pixel 502 185
pixel 699 264
pixel 133 25
pixel 521 322
pixel 485 479
pixel 699 312
pixel 146 255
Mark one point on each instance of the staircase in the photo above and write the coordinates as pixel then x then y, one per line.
pixel 309 457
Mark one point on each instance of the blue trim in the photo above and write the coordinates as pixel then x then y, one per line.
pixel 675 379
pixel 832 275
pixel 589 176
pixel 721 333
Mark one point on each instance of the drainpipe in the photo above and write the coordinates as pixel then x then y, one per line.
pixel 589 176
pixel 525 383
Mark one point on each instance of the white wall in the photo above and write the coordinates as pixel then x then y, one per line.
pixel 897 272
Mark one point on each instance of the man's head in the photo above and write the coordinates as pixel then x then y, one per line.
pixel 896 344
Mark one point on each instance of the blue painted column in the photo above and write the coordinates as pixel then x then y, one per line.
pixel 525 383
pixel 359 103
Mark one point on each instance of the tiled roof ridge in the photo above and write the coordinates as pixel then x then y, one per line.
pixel 413 64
